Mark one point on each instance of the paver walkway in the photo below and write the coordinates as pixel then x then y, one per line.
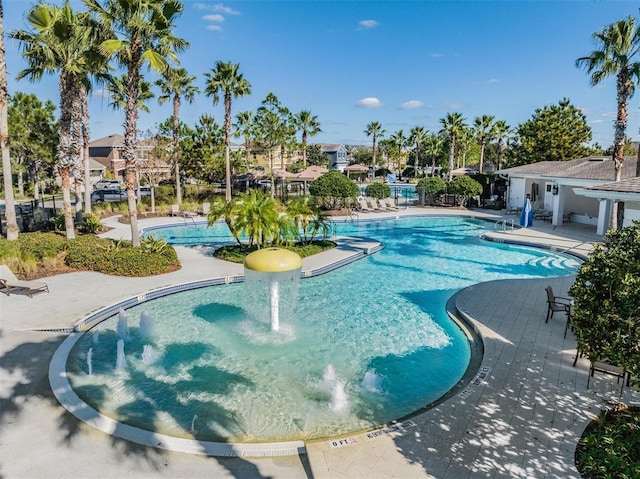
pixel 521 418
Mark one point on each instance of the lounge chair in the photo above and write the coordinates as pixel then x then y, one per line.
pixel 390 204
pixel 380 203
pixel 175 210
pixel 363 206
pixel 9 281
pixel 373 204
pixel 557 303
pixel 206 207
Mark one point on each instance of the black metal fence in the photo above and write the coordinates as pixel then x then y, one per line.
pixel 34 215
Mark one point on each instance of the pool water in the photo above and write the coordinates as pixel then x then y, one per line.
pixel 365 344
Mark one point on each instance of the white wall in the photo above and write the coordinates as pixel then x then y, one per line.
pixel 516 192
pixel 631 212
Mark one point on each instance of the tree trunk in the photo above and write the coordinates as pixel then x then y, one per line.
pixel 66 201
pixel 131 140
pixel 227 144
pixel 176 163
pixel 482 145
pixel 86 137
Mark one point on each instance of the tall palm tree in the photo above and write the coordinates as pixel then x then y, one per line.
pixel 174 85
pixel 399 141
pixel 117 88
pixel 417 136
pixel 617 54
pixel 375 130
pixel 226 79
pixel 309 126
pixel 453 125
pixel 142 34
pixel 244 127
pixel 9 203
pixel 502 132
pixel 61 41
pixel 433 149
pixel 484 130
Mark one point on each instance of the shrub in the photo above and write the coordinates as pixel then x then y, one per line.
pixel 41 245
pixel 332 189
pixel 464 186
pixel 91 223
pixel 377 189
pixel 431 188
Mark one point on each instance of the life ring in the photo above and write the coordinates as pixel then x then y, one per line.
pixel 360 198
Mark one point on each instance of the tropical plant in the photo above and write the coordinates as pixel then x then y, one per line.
pixel 116 86
pixel 606 292
pixel 374 130
pixel 617 54
pixel 10 209
pixel 417 137
pixel 309 126
pixel 484 128
pixel 244 127
pixel 141 34
pixel 433 148
pixel 502 132
pixel 225 79
pixel 308 219
pixel 62 41
pixel 452 125
pixel 176 84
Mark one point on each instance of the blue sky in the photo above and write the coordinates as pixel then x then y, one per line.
pixel 403 64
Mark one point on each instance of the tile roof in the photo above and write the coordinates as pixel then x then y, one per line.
pixel 589 168
pixel 630 185
pixel 111 140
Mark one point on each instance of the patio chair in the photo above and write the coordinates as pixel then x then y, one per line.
pixel 9 281
pixel 556 303
pixel 605 367
pixel 373 204
pixel 206 207
pixel 363 206
pixel 380 203
pixel 175 210
pixel 390 204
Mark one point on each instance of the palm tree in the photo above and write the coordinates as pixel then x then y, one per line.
pixel 484 129
pixel 141 35
pixel 399 141
pixel 244 126
pixel 417 136
pixel 174 85
pixel 375 130
pixel 309 126
pixel 502 132
pixel 226 79
pixel 452 125
pixel 117 89
pixel 61 41
pixel 433 149
pixel 617 54
pixel 9 204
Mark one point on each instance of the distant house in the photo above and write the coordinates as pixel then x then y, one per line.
pixel 557 187
pixel 337 156
pixel 107 151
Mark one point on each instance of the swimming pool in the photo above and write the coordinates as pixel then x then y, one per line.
pixel 366 344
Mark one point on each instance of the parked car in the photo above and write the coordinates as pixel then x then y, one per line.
pixel 112 194
pixel 107 184
pixel 145 190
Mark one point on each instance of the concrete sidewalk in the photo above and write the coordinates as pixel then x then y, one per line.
pixel 520 417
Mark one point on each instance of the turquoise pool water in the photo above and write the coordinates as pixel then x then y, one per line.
pixel 365 344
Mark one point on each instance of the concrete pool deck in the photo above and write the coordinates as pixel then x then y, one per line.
pixel 521 416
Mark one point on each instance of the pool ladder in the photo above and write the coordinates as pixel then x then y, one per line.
pixel 503 223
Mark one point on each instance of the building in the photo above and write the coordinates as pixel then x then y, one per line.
pixel 557 188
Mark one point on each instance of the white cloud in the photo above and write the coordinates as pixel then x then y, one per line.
pixel 214 28
pixel 610 114
pixel 436 55
pixel 370 102
pixel 100 93
pixel 493 80
pixel 454 105
pixel 219 7
pixel 597 122
pixel 368 23
pixel 213 18
pixel 411 104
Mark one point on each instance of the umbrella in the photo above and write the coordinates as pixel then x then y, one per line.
pixel 526 217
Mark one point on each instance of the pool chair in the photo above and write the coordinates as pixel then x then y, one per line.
pixel 363 206
pixel 380 203
pixel 391 206
pixel 9 282
pixel 373 204
pixel 556 303
pixel 206 207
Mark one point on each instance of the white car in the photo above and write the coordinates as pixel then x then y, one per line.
pixel 112 194
pixel 107 184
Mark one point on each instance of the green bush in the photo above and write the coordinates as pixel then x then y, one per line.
pixel 377 189
pixel 41 245
pixel 91 223
pixel 464 186
pixel 332 189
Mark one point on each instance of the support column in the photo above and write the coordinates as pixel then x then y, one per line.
pixel 558 206
pixel 604 213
